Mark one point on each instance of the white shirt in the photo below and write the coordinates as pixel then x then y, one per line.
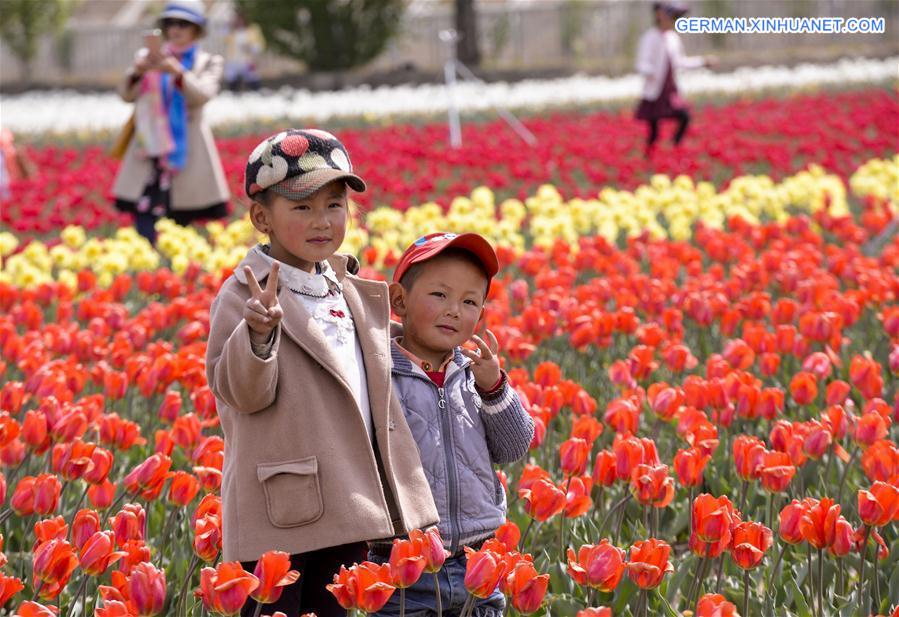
pixel 332 315
pixel 655 49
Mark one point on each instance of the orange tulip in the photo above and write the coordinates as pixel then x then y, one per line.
pixel 146 589
pixel 632 451
pixel 543 500
pixel 837 391
pixel 406 562
pixel 715 605
pixel 665 401
pixel 97 553
pixel 273 573
pixel 803 388
pixel 170 408
pixel 600 566
pixel 880 461
pixel 871 427
pixel 509 534
pixel 750 543
pixel 864 374
pixel 72 460
pixel 819 521
pixel 689 465
pixel 135 552
pixel 604 469
pixel 652 486
pixel 483 572
pixel 432 547
pixel 748 454
pixel 34 609
pixel 102 495
pixel 183 488
pixel 879 505
pixel 36 495
pixel 52 564
pixel 102 460
pixel 587 428
pixel 9 586
pixel 113 608
pixel 365 586
pixel 649 563
pixel 148 477
pixel 526 588
pixel 529 475
pixel 577 500
pixel 776 470
pixel 49 529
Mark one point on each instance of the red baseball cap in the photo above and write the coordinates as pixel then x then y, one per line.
pixel 433 244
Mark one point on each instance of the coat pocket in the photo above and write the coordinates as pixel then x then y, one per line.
pixel 293 495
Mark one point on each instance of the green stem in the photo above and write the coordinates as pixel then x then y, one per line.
pixel 846 472
pixel 437 594
pixel 811 584
pixel 194 562
pixel 821 582
pixel 745 593
pixel 402 602
pixel 258 610
pixel 614 509
pixel 875 584
pixel 773 574
pixel 861 577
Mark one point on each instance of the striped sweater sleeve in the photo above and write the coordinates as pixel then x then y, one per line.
pixel 508 426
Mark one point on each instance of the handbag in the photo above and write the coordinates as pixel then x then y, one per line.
pixel 126 134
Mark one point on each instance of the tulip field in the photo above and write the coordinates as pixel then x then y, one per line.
pixel 708 343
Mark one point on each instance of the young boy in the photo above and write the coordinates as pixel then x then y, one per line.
pixel 464 415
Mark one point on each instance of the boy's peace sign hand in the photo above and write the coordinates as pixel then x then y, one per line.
pixel 484 362
pixel 262 311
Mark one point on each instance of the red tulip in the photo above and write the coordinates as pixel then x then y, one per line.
pixel 208 537
pixel 748 454
pixel 880 461
pixel 713 521
pixel 53 563
pixel 98 553
pixel 9 586
pixel 715 605
pixel 483 572
pixel 85 524
pixel 543 500
pixel 790 518
pixel 879 505
pixel 601 611
pixel 406 562
pixel 225 588
pixel 604 469
pixel 49 529
pixel 750 543
pixel 649 563
pixel 652 486
pixel 432 547
pixel 804 388
pixel 574 453
pixel 819 521
pixel 183 488
pixel 689 465
pixel 600 566
pixel 34 609
pixel 526 588
pixel 509 534
pixel 128 523
pixel 146 589
pixel 776 471
pixel 577 500
pixel 274 573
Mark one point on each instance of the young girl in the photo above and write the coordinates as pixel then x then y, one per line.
pixel 318 455
pixel 659 56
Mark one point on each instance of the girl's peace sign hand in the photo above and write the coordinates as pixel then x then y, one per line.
pixel 484 362
pixel 262 311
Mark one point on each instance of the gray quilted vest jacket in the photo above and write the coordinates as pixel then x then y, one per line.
pixel 461 434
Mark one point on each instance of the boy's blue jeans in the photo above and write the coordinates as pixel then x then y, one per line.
pixel 421 600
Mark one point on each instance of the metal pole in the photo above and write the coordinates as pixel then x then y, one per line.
pixel 449 74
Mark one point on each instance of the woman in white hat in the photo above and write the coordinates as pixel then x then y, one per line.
pixel 660 56
pixel 172 168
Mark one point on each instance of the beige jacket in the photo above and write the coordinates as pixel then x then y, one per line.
pixel 202 181
pixel 300 472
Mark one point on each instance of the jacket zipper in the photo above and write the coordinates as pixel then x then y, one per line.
pixel 452 480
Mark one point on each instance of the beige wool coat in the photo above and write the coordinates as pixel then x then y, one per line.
pixel 300 473
pixel 201 183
